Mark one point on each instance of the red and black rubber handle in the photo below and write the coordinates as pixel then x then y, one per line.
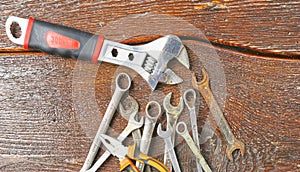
pixel 62 40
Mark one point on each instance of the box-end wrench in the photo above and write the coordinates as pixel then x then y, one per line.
pixel 153 111
pixel 166 135
pixel 132 125
pixel 189 98
pixel 123 83
pixel 185 134
pixel 232 142
pixel 173 113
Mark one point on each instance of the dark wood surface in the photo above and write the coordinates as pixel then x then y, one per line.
pixel 51 107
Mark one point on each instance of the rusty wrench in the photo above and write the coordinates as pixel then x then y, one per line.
pixel 189 97
pixel 185 134
pixel 173 113
pixel 232 142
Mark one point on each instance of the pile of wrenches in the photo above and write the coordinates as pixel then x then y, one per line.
pixel 150 62
pixel 143 139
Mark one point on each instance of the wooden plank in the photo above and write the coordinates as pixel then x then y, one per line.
pixel 259 26
pixel 48 115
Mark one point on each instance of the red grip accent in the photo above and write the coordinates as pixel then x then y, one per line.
pixel 28 32
pixel 98 48
pixel 55 40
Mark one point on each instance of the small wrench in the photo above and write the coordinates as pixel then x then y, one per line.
pixel 132 125
pixel 123 83
pixel 189 97
pixel 173 113
pixel 125 113
pixel 185 134
pixel 153 111
pixel 166 135
pixel 232 142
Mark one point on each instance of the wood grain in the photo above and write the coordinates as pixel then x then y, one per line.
pixel 41 130
pixel 257 26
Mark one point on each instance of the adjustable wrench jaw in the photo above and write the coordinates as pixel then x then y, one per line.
pixel 149 60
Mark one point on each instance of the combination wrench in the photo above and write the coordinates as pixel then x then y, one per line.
pixel 232 142
pixel 173 113
pixel 153 111
pixel 189 98
pixel 185 134
pixel 123 83
pixel 166 135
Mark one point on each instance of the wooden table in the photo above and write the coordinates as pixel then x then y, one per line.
pixel 51 107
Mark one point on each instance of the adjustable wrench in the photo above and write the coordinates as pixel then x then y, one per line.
pixel 232 142
pixel 132 125
pixel 173 113
pixel 185 134
pixel 153 111
pixel 149 60
pixel 189 98
pixel 123 83
pixel 166 135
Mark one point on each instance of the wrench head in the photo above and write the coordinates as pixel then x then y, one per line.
pixel 203 83
pixel 164 134
pixel 160 52
pixel 170 109
pixel 237 144
pixel 133 107
pixel 189 97
pixel 133 121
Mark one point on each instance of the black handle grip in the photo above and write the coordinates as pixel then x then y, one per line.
pixel 65 41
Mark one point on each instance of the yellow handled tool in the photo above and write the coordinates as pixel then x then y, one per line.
pixel 127 154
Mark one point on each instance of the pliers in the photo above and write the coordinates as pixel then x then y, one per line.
pixel 127 154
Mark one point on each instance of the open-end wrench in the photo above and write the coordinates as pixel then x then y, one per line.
pixel 149 60
pixel 125 113
pixel 173 113
pixel 153 111
pixel 166 135
pixel 185 134
pixel 123 83
pixel 232 142
pixel 189 98
pixel 132 125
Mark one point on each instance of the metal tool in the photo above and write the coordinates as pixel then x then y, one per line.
pixel 123 83
pixel 126 154
pixel 189 98
pixel 125 113
pixel 132 125
pixel 185 134
pixel 149 60
pixel 166 135
pixel 173 113
pixel 232 142
pixel 153 111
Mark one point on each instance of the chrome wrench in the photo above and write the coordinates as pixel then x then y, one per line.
pixel 189 98
pixel 232 142
pixel 123 83
pixel 149 60
pixel 132 125
pixel 166 135
pixel 173 113
pixel 185 134
pixel 153 111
